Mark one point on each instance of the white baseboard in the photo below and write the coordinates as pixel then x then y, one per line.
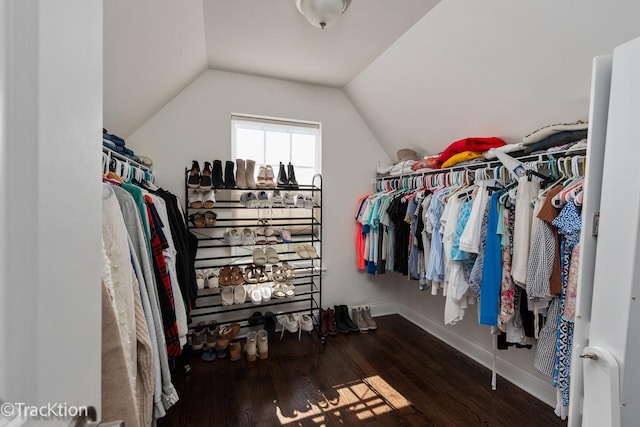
pixel 527 382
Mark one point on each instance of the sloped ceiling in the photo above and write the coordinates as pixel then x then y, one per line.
pixel 489 68
pixel 152 50
pixel 271 38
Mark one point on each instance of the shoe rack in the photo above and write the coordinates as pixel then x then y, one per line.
pixel 214 253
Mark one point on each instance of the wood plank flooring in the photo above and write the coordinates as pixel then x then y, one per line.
pixel 396 376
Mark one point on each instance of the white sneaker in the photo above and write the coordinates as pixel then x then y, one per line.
pixel 306 323
pixel 263 199
pixel 276 199
pixel 232 237
pixel 299 201
pixel 289 200
pixel 248 237
pixel 308 202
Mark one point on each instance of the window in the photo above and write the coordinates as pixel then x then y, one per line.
pixel 271 141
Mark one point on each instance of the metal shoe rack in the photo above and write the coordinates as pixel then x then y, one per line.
pixel 305 225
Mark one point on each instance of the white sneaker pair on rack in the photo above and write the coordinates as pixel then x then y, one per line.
pixel 232 237
pixel 295 322
pixel 302 201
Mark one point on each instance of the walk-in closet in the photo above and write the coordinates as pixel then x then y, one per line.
pixel 319 213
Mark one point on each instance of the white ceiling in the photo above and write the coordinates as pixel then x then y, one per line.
pixel 271 38
pixel 154 48
pixel 490 68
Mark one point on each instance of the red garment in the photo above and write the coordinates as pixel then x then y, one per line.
pixel 479 145
pixel 428 163
pixel 359 236
pixel 163 283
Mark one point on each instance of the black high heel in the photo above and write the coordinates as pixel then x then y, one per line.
pixel 193 181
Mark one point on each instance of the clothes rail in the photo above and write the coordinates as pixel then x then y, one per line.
pixel 466 170
pixel 116 161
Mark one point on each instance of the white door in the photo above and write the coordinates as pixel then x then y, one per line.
pixel 598 115
pixel 615 319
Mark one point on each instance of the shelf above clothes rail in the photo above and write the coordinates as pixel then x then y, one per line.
pixel 409 178
pixel 114 161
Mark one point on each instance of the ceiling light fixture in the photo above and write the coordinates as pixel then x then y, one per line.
pixel 322 13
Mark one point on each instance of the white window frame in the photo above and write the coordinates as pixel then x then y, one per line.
pixel 270 123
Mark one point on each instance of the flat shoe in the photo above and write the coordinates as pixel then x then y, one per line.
pixel 302 252
pixel 311 251
pixel 272 256
pixel 259 257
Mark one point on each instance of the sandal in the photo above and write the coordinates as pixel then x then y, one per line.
pixel 236 276
pixel 193 180
pixel 259 257
pixel 261 238
pixel 262 274
pixel 210 218
pixel 266 291
pixel 200 279
pixel 288 271
pixel 226 295
pixel 302 252
pixel 278 274
pixel 225 276
pixel 272 256
pixel 251 274
pixel 278 291
pixel 311 251
pixel 212 278
pixel 197 219
pixel 239 294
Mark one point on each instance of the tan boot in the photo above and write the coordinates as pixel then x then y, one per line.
pixel 250 172
pixel 250 347
pixel 263 344
pixel 241 175
pixel 235 351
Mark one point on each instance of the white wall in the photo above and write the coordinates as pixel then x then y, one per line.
pixel 489 68
pixel 152 50
pixel 51 108
pixel 196 125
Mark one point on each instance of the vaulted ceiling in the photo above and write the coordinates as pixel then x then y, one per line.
pixel 154 48
pixel 421 73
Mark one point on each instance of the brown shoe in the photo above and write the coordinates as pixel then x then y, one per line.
pixel 235 351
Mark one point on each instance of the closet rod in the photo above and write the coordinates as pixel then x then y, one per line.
pixel 489 163
pixel 116 155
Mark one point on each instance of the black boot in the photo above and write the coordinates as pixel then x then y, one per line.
pixel 205 177
pixel 217 174
pixel 353 327
pixel 283 181
pixel 229 175
pixel 292 179
pixel 341 322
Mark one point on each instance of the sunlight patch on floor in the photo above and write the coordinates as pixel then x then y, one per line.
pixel 366 398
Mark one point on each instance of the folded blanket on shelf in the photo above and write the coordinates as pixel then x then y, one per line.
pixel 546 131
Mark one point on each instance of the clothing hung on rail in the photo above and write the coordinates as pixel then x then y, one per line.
pixel 511 246
pixel 148 297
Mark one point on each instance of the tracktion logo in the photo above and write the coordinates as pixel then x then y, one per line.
pixel 50 410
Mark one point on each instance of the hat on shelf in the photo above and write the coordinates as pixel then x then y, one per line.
pixel 146 161
pixel 407 154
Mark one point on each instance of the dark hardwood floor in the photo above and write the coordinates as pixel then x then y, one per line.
pixel 397 375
